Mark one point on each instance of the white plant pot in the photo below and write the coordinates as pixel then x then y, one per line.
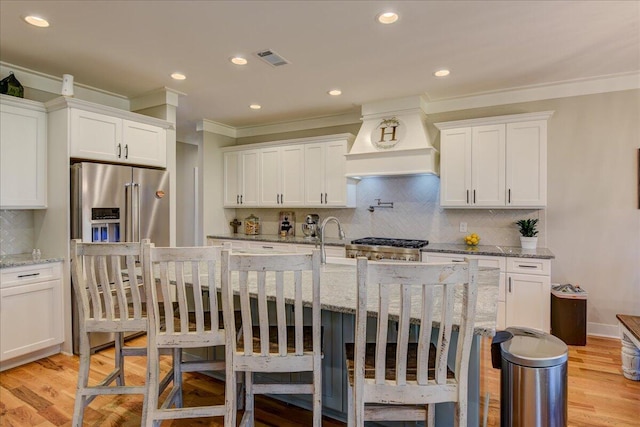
pixel 528 242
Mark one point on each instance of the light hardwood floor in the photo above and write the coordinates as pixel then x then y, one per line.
pixel 42 393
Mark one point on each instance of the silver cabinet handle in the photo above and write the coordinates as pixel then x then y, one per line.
pixel 474 197
pixel 509 197
pixel 467 196
pixel 241 199
pixel 282 199
pixel 277 199
pixel 28 275
pixel 509 284
pixel 527 266
pixel 126 151
pixel 267 247
pixel 457 260
pixel 119 150
pixel 237 199
pixel 321 198
pixel 325 198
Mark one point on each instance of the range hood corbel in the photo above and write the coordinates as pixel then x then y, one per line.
pixel 392 141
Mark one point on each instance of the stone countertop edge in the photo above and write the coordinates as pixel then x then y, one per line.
pixel 452 248
pixel 21 260
pixel 274 238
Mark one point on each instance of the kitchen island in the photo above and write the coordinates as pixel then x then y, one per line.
pixel 338 303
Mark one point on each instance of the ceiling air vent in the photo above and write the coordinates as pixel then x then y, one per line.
pixel 272 58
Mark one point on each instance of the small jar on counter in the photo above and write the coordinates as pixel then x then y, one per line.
pixel 252 225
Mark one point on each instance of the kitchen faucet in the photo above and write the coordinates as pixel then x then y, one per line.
pixel 323 253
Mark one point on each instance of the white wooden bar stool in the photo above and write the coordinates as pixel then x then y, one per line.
pixel 397 380
pixel 282 347
pixel 187 272
pixel 109 299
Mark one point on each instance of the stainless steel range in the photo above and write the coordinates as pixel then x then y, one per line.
pixel 379 248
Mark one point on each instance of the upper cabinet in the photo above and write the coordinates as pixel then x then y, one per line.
pixel 282 175
pixel 292 173
pixel 496 162
pixel 23 154
pixel 241 178
pixel 111 135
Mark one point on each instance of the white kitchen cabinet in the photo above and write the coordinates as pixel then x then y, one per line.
pixel 494 162
pixel 528 293
pixel 524 288
pixel 31 312
pixel 305 172
pixel 325 181
pixel 241 178
pixel 282 175
pixel 97 136
pixel 23 154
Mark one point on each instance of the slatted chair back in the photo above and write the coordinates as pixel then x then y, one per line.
pixel 109 295
pixel 397 368
pixel 109 298
pixel 269 340
pixel 181 303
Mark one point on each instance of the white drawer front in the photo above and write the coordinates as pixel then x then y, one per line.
pixel 483 261
pixel 18 276
pixel 529 266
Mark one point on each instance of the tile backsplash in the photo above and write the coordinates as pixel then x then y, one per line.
pixel 416 214
pixel 16 232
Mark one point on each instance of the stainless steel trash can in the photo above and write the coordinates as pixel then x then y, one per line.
pixel 533 379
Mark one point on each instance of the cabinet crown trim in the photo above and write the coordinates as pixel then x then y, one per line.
pixel 309 140
pixel 22 103
pixel 512 118
pixel 65 102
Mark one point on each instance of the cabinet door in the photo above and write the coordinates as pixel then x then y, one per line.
pixel 314 174
pixel 455 167
pixel 144 144
pixel 270 176
pixel 232 178
pixel 526 170
pixel 528 301
pixel 488 165
pixel 335 167
pixel 292 168
pixel 30 318
pixel 96 136
pixel 23 158
pixel 250 172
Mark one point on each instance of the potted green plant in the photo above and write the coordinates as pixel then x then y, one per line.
pixel 528 233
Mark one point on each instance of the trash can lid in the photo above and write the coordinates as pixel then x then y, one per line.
pixel 568 291
pixel 534 349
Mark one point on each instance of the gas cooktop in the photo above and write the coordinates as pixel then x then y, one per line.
pixel 396 243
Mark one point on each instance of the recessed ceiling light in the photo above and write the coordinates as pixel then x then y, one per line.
pixel 255 106
pixel 387 17
pixel 238 60
pixel 335 92
pixel 442 73
pixel 178 76
pixel 36 21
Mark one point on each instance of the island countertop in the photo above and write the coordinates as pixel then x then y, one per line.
pixel 338 294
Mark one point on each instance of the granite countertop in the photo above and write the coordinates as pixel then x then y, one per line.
pixel 338 293
pixel 507 251
pixel 20 260
pixel 274 238
pixel 452 248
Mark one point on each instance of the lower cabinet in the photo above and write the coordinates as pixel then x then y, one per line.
pixel 524 288
pixel 31 317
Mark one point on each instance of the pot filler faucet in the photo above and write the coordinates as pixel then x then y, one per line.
pixel 323 253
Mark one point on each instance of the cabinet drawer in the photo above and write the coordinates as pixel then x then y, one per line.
pixel 529 266
pixel 30 274
pixel 271 247
pixel 483 261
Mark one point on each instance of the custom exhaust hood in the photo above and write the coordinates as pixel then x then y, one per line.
pixel 392 140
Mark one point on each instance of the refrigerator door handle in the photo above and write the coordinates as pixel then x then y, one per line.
pixel 128 232
pixel 136 212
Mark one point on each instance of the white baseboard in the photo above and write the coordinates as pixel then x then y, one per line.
pixel 603 330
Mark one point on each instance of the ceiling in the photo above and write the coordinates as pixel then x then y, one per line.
pixel 131 47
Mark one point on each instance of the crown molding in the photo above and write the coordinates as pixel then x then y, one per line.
pixel 297 125
pixel 215 127
pixel 613 83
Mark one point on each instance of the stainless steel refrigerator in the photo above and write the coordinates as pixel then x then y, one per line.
pixel 114 203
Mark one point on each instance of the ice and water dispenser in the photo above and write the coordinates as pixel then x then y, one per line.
pixel 105 224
